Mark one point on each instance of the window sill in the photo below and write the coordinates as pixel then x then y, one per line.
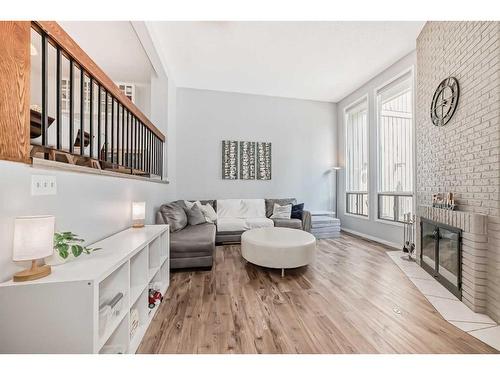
pixel 357 216
pixel 389 222
pixel 54 165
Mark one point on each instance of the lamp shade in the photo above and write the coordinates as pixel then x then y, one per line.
pixel 33 237
pixel 138 211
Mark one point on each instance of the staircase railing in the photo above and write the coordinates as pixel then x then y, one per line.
pixel 94 123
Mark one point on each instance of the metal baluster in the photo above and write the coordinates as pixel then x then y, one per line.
pixel 58 99
pixel 112 129
pixel 91 114
pixel 45 90
pixel 106 128
pixel 99 115
pixel 82 109
pixel 71 106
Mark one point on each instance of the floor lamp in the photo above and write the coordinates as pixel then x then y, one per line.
pixel 335 171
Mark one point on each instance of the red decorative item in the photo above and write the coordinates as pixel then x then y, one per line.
pixel 155 298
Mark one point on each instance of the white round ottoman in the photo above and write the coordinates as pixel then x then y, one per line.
pixel 278 247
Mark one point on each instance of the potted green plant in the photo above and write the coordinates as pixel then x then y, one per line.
pixel 67 245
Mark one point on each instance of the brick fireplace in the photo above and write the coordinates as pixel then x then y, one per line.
pixel 463 156
pixel 474 259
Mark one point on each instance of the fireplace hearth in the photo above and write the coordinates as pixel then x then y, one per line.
pixel 441 254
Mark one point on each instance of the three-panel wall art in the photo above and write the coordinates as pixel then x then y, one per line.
pixel 246 160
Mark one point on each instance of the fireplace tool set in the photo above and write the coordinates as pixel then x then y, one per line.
pixel 409 236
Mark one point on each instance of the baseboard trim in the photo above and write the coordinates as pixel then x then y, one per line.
pixel 373 238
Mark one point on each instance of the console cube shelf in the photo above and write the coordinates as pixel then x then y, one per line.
pixel 60 313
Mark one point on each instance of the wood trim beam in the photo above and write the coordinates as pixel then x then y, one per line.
pixel 15 67
pixel 67 43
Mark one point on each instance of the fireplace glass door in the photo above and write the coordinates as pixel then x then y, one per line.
pixel 448 255
pixel 440 254
pixel 429 240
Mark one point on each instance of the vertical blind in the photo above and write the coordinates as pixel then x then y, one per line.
pixel 356 121
pixel 395 148
pixel 357 148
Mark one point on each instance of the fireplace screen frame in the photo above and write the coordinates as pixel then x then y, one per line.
pixel 434 271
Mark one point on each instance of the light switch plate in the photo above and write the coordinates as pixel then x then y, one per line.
pixel 43 185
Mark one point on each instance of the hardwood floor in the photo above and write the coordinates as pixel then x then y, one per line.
pixel 343 303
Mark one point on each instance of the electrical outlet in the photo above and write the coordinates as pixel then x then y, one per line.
pixel 43 185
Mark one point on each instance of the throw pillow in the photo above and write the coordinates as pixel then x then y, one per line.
pixel 281 212
pixel 190 204
pixel 209 213
pixel 174 215
pixel 195 216
pixel 297 211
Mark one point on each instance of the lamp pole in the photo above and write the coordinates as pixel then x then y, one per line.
pixel 335 171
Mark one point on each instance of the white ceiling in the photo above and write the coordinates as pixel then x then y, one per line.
pixel 308 60
pixel 114 46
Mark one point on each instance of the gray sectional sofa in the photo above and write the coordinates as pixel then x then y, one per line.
pixel 193 246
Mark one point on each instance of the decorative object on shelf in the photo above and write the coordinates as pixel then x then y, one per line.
pixel 409 235
pixel 264 160
pixel 155 298
pixel 65 245
pixel 229 160
pixel 444 102
pixel 33 240
pixel 134 321
pixel 447 203
pixel 247 160
pixel 138 214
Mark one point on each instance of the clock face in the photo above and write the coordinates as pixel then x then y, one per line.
pixel 444 101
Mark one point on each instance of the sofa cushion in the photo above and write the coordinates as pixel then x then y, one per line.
pixel 209 212
pixel 259 222
pixel 231 224
pixel 251 208
pixel 195 215
pixel 288 223
pixel 242 224
pixel 297 211
pixel 228 208
pixel 282 212
pixel 192 241
pixel 270 204
pixel 174 215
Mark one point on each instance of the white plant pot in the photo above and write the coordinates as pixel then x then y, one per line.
pixel 55 259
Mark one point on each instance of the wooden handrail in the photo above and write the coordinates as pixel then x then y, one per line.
pixel 70 47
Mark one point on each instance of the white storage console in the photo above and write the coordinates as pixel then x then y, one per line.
pixel 96 303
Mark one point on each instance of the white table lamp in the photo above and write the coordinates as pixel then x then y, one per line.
pixel 138 214
pixel 33 239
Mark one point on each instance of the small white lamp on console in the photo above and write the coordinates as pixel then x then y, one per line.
pixel 138 214
pixel 33 240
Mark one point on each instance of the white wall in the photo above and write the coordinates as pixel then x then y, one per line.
pixel 92 206
pixel 387 232
pixel 303 145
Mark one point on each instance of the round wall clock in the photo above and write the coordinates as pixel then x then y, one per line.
pixel 444 101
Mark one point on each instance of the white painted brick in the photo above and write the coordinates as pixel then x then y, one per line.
pixel 464 155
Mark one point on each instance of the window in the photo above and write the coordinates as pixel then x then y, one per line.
pixel 395 149
pixel 356 126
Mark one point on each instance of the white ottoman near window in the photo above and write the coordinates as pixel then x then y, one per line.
pixel 278 247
